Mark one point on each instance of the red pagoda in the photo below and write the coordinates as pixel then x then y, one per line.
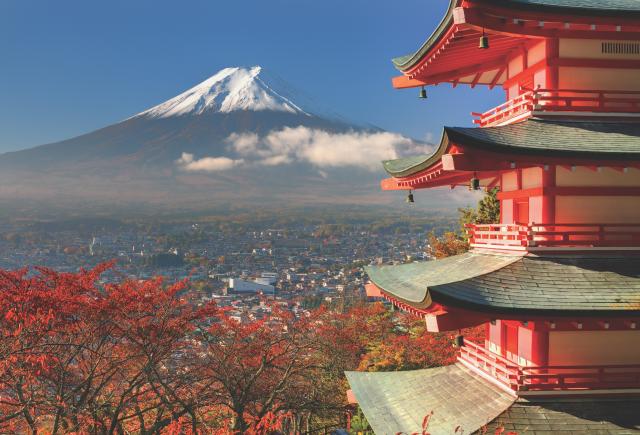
pixel 557 281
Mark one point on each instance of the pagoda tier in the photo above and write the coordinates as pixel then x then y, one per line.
pixel 563 185
pixel 526 39
pixel 554 58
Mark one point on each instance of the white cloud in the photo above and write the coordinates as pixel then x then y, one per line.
pixel 276 160
pixel 206 164
pixel 320 148
pixel 243 143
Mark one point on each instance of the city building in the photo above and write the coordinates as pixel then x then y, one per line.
pixel 557 281
pixel 242 286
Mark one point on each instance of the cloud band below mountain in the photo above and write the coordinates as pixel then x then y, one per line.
pixel 319 148
pixel 206 164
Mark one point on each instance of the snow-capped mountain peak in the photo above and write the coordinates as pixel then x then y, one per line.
pixel 229 90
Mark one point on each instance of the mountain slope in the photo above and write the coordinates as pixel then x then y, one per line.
pixel 240 134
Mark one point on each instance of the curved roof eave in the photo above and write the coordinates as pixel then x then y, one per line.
pixel 404 63
pixel 407 166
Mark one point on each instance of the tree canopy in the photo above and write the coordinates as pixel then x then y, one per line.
pixel 143 357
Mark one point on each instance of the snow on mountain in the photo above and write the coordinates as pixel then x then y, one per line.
pixel 229 90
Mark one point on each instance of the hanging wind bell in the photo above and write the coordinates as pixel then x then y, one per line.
pixel 474 183
pixel 410 198
pixel 423 94
pixel 484 41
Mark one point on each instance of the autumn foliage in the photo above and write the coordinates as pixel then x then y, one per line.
pixel 78 356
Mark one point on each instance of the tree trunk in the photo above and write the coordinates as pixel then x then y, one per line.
pixel 239 423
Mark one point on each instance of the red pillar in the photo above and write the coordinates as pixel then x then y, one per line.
pixel 549 199
pixel 553 53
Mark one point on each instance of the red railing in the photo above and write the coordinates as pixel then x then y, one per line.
pixel 521 105
pixel 549 378
pixel 553 235
pixel 576 100
pixel 492 364
pixel 560 100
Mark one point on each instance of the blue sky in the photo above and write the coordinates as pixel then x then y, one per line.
pixel 70 67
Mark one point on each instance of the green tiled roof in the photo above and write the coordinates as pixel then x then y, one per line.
pixel 533 136
pixel 603 140
pixel 564 285
pixel 413 163
pixel 398 401
pixel 410 282
pixel 584 7
pixel 570 416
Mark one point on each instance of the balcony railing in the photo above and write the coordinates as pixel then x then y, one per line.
pixel 560 235
pixel 512 110
pixel 549 378
pixel 558 101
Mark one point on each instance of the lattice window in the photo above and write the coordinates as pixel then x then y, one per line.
pixel 621 48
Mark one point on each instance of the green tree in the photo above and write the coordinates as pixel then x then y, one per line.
pixel 454 243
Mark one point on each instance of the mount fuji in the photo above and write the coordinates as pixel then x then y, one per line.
pixel 243 135
pixel 230 90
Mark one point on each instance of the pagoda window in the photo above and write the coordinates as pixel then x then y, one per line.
pixel 598 49
pixel 522 211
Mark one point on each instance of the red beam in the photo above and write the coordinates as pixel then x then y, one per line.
pixel 595 191
pixel 596 63
pixel 523 193
pixel 495 80
pixel 404 82
pixel 475 80
pixel 479 18
pixel 454 319
pixel 570 191
pixel 476 161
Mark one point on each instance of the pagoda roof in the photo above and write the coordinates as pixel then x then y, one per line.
pixel 483 282
pixel 575 415
pixel 395 402
pixel 571 8
pixel 579 139
pixel 410 282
